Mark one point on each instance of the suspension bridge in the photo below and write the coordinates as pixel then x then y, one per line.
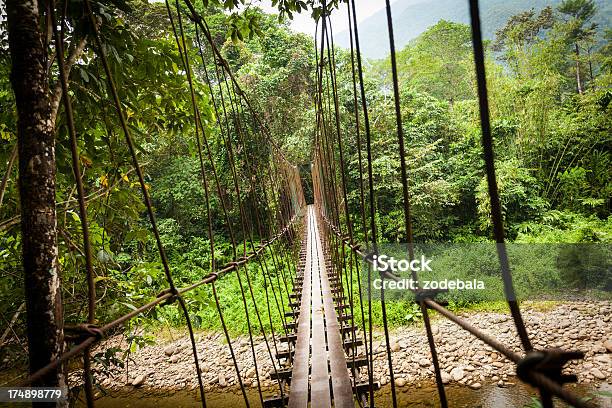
pixel 328 359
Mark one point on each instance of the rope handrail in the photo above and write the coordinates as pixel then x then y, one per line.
pixel 89 333
pixel 541 369
pixel 284 204
pixel 539 379
pixel 164 296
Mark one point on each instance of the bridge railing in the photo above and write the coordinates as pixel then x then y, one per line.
pixel 540 368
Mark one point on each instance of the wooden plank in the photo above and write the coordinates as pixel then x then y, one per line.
pixel 341 382
pixel 319 384
pixel 319 344
pixel 298 394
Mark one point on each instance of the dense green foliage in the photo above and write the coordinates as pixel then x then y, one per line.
pixel 413 17
pixel 551 113
pixel 274 64
pixel 552 143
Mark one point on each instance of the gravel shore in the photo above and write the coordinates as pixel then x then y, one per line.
pixel 465 360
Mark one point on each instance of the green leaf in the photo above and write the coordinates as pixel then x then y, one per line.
pixel 84 75
pixel 129 305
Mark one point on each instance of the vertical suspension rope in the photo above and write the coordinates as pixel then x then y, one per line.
pixel 262 264
pixel 496 213
pixel 489 158
pixel 357 127
pixel 76 169
pixel 373 238
pixel 361 194
pixel 243 222
pixel 231 348
pixel 406 201
pixel 237 191
pixel 198 125
pixel 172 288
pixel 276 264
pixel 224 208
pixel 232 165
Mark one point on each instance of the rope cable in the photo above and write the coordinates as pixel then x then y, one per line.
pixel 407 209
pixel 76 168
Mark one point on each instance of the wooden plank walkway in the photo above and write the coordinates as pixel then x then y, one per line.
pixel 299 375
pixel 319 341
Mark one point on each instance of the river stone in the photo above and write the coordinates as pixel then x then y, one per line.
pixel 250 372
pixel 138 381
pixel 608 345
pixel 174 359
pixel 446 378
pixel 395 347
pixel 170 350
pixel 222 381
pixel 475 385
pixel 457 374
pixel 400 382
pixel 596 372
pixel 424 362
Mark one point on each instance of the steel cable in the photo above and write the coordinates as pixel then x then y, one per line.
pixel 76 168
pixel 406 201
pixel 147 199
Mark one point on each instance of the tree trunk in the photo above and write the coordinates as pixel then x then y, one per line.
pixel 590 64
pixel 36 144
pixel 578 81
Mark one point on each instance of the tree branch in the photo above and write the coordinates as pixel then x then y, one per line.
pixel 11 323
pixel 56 96
pixel 70 203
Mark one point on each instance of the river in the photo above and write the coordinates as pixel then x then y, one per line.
pixel 489 396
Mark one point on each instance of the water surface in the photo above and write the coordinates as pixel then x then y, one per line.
pixel 489 396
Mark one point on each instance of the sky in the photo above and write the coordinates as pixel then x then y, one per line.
pixel 304 23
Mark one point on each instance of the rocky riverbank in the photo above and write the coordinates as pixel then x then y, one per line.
pixel 465 360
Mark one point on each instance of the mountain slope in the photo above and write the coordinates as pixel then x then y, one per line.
pixel 412 17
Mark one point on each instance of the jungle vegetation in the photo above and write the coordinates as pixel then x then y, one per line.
pixel 549 76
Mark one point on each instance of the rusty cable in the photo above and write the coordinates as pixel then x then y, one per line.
pixel 343 172
pixel 539 379
pixel 167 295
pixel 76 168
pixel 406 202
